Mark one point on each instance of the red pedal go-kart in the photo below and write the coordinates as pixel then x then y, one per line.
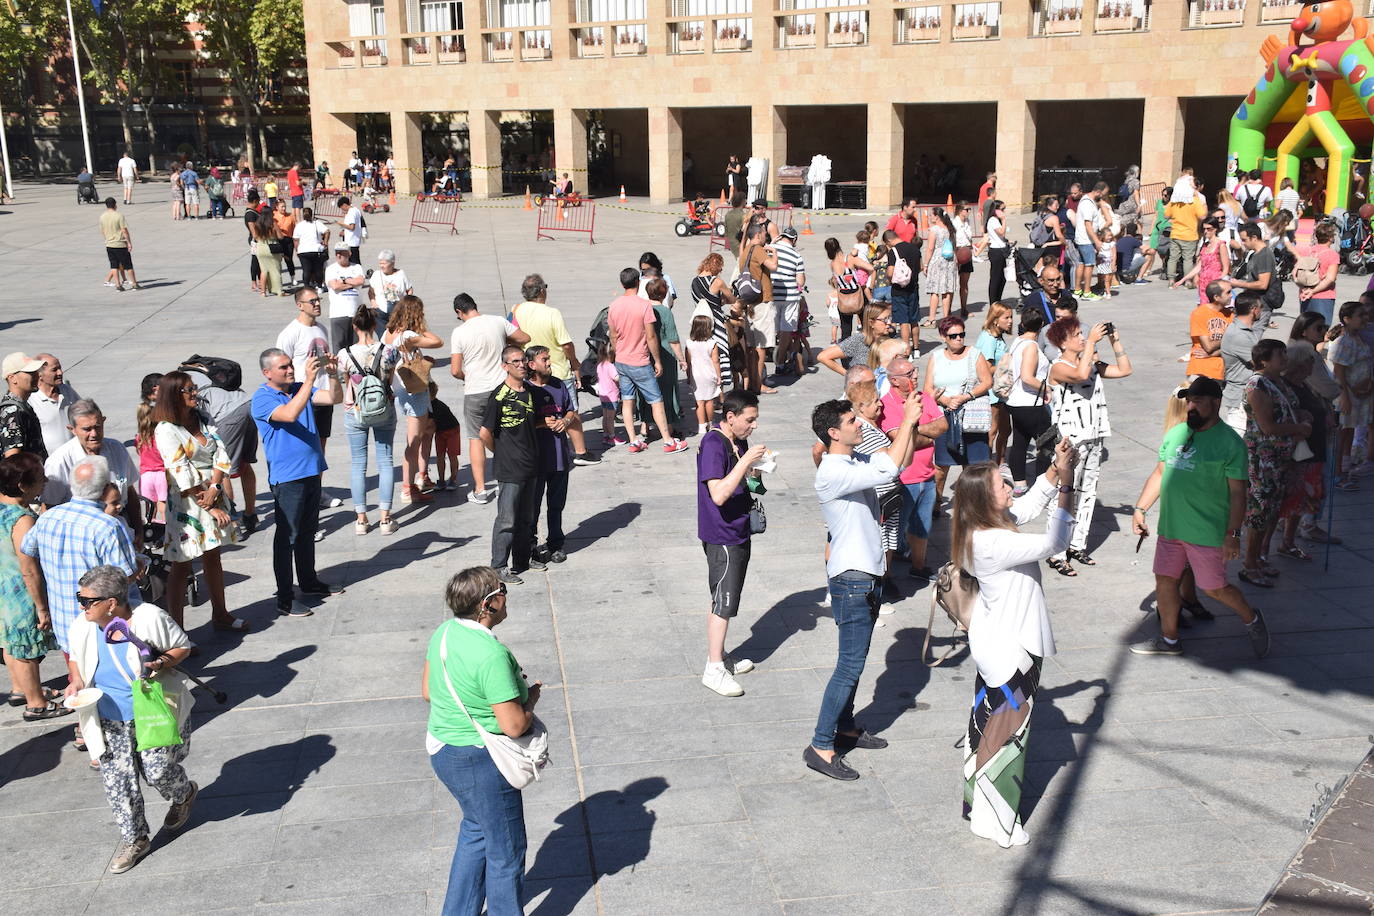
pixel 695 223
pixel 570 200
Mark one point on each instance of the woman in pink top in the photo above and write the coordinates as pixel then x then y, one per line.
pixel 1213 260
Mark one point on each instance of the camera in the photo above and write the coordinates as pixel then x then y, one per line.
pixel 1109 328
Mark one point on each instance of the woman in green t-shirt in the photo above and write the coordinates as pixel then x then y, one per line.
pixel 466 663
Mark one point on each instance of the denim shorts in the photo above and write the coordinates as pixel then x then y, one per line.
pixel 638 379
pixel 1087 254
pixel 882 294
pixel 906 309
pixel 918 508
pixel 413 405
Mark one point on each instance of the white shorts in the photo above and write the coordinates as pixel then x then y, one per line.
pixel 763 327
pixel 192 197
pixel 128 184
pixel 789 313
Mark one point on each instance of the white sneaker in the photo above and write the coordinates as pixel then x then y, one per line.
pixel 335 503
pixel 721 681
pixel 737 665
pixel 825 602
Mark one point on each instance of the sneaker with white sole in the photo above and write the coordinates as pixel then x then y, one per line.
pixel 179 813
pixel 1258 631
pixel 482 498
pixel 737 665
pixel 1158 646
pixel 721 681
pixel 129 854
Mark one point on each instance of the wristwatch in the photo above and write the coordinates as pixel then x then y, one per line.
pixel 1142 510
pixel 1234 533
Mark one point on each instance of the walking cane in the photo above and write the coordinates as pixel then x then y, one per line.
pixel 117 631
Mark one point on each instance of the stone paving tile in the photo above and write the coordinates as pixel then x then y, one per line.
pixel 1153 785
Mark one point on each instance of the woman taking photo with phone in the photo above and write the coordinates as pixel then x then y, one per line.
pixel 1009 632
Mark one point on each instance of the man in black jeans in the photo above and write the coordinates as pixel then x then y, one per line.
pixel 295 463
pixel 509 426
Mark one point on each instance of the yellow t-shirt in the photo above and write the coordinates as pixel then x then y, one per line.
pixel 546 328
pixel 270 189
pixel 1184 219
pixel 112 226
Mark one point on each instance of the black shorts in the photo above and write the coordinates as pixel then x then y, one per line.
pixel 324 419
pixel 120 258
pixel 726 566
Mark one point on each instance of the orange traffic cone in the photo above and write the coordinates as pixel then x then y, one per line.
pixel 723 201
pixel 528 204
pixel 949 204
pixel 622 195
pixel 806 226
pixel 393 197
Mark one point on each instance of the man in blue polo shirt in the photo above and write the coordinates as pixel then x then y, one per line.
pixel 295 463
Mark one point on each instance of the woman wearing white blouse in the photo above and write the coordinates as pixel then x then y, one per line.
pixel 1009 634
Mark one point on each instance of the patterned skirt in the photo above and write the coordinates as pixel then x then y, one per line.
pixel 995 754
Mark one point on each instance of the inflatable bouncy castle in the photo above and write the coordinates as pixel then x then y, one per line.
pixel 1315 99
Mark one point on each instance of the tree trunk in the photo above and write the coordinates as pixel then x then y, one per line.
pixel 152 136
pixel 262 134
pixel 127 126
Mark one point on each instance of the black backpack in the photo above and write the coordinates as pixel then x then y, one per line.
pixel 1249 203
pixel 223 373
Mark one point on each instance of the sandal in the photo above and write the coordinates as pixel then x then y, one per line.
pixel 1268 568
pixel 50 711
pixel 1062 567
pixel 17 699
pixel 233 625
pixel 1294 552
pixel 1081 557
pixel 1255 577
pixel 927 323
pixel 1197 609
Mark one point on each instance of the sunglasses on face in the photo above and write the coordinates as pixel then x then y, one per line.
pixel 958 336
pixel 500 590
pixel 311 301
pixel 87 600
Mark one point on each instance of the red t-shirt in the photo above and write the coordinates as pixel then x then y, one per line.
pixel 922 467
pixel 905 228
pixel 293 182
pixel 628 316
pixel 984 192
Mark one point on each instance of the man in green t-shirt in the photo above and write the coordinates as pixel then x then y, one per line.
pixel 119 247
pixel 1200 484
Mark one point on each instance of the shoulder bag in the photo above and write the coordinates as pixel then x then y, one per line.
pixel 976 413
pixel 758 519
pixel 956 593
pixel 413 368
pixel 849 301
pixel 518 759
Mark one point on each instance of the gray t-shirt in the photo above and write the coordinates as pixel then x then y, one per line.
pixel 1236 346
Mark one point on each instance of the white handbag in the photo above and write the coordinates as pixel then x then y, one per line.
pixel 518 759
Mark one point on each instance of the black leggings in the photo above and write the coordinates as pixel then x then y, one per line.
pixel 312 268
pixel 997 277
pixel 846 325
pixel 287 261
pixel 1027 423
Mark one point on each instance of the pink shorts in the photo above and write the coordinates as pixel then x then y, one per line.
pixel 153 485
pixel 1172 557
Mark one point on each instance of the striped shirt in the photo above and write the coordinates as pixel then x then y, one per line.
pixel 790 264
pixel 70 539
pixel 873 442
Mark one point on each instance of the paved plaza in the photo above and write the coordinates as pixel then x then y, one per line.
pixel 1156 785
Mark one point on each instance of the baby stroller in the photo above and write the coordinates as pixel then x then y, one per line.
pixel 85 190
pixel 1023 261
pixel 152 584
pixel 1357 249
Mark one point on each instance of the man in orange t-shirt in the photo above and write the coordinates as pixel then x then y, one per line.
pixel 1206 324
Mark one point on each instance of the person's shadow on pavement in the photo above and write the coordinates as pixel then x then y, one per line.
pixel 620 823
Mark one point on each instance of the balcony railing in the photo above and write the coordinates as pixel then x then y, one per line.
pixel 1126 16
pixel 918 24
pixel 1204 14
pixel 590 41
pixel 733 34
pixel 690 37
pixel 976 21
pixel 630 40
pixel 500 46
pixel 847 29
pixel 1058 17
pixel 1279 11
pixel 797 32
pixel 435 48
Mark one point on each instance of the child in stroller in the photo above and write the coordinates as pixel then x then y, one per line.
pixel 85 188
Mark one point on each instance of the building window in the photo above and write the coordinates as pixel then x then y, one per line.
pixel 179 80
pixel 502 14
pixel 711 7
pixel 976 20
pixel 611 10
pixel 441 16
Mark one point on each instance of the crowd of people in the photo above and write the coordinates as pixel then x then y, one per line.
pixel 1020 408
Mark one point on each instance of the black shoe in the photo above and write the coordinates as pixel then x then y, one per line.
pixel 507 577
pixel 294 609
pixel 250 524
pixel 542 554
pixel 585 459
pixel 557 556
pixel 863 741
pixel 322 589
pixel 1198 611
pixel 835 769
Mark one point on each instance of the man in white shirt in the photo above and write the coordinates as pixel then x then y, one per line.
pixel 351 231
pixel 345 280
pixel 126 170
pixel 304 338
pixel 845 484
pixel 476 360
pixel 87 426
pixel 351 172
pixel 50 401
pixel 1254 196
pixel 1088 219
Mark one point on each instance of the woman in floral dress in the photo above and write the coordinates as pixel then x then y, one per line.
pixel 1274 424
pixel 940 268
pixel 198 521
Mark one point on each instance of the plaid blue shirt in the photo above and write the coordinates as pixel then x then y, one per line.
pixel 68 541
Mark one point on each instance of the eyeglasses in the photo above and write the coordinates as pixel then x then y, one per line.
pixel 87 600
pixel 189 389
pixel 515 362
pixel 500 590
pixel 883 318
pixel 311 301
pixel 959 336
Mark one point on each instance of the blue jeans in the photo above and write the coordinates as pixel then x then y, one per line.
pixel 854 599
pixel 552 491
pixel 386 471
pixel 489 860
pixel 1323 307
pixel 513 531
pixel 882 294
